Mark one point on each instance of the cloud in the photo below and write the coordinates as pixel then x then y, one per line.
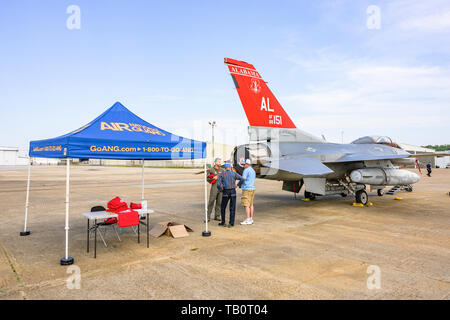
pixel 433 22
pixel 384 87
pixel 366 97
pixel 420 16
pixel 232 131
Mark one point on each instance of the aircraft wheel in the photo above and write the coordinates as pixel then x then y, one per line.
pixel 310 195
pixel 409 188
pixel 361 197
pixel 380 192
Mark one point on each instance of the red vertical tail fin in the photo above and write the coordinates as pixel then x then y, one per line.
pixel 260 105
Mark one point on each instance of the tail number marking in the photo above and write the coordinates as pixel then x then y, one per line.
pixel 265 106
pixel 275 119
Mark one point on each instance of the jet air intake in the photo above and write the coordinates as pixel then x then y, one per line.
pixel 258 153
pixel 383 176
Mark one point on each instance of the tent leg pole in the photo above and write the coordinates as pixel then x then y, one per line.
pixel 26 232
pixel 206 233
pixel 67 260
pixel 142 191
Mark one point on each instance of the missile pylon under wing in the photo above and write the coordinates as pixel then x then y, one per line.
pixel 281 151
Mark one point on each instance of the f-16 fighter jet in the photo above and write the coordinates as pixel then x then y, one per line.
pixel 281 151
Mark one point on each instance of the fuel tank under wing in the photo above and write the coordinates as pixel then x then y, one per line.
pixel 307 166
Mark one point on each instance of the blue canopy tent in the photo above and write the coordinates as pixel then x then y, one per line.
pixel 119 134
pixel 115 134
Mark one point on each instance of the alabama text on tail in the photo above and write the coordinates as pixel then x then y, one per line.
pixel 260 105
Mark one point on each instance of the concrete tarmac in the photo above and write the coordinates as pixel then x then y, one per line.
pixel 322 249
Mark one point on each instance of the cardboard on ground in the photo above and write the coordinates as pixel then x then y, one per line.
pixel 170 228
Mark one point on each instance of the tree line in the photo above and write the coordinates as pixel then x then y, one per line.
pixel 439 147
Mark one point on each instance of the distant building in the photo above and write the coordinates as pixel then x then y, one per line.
pixel 46 161
pixel 8 156
pixel 420 150
pixel 442 162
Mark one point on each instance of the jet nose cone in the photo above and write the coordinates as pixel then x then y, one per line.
pixel 414 177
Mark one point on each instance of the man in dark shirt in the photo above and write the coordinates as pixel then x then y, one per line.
pixel 227 185
pixel 429 169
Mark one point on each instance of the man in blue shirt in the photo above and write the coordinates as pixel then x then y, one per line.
pixel 227 185
pixel 429 169
pixel 248 191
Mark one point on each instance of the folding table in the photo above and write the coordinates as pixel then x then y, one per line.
pixel 102 215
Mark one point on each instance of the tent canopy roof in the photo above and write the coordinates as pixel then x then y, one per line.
pixel 119 134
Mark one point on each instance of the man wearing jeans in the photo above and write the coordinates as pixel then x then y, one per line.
pixel 248 191
pixel 429 169
pixel 227 185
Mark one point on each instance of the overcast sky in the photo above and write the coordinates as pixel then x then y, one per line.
pixel 164 61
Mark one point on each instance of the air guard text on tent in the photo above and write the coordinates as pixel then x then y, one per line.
pixel 119 126
pixel 47 148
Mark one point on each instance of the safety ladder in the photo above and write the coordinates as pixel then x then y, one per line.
pixel 394 190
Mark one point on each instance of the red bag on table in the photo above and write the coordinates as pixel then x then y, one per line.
pixel 115 205
pixel 128 219
pixel 135 205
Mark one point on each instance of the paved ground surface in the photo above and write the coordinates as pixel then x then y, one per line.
pixel 295 249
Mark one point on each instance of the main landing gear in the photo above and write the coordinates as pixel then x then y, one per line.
pixel 309 195
pixel 361 197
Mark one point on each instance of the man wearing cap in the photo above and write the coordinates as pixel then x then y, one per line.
pixel 214 193
pixel 248 191
pixel 227 185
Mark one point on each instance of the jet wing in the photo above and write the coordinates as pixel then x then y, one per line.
pixel 306 166
pixel 436 154
pixel 366 157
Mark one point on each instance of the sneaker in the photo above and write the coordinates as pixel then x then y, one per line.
pixel 250 221
pixel 222 224
pixel 246 221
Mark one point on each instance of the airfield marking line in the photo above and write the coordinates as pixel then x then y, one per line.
pixel 89 274
pixel 421 274
pixel 406 237
pixel 115 185
pixel 13 269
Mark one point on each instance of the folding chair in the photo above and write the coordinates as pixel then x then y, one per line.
pixel 125 221
pixel 105 224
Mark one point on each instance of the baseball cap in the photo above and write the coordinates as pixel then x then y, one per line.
pixel 227 165
pixel 248 161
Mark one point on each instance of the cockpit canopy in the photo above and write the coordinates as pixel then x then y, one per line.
pixel 376 140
